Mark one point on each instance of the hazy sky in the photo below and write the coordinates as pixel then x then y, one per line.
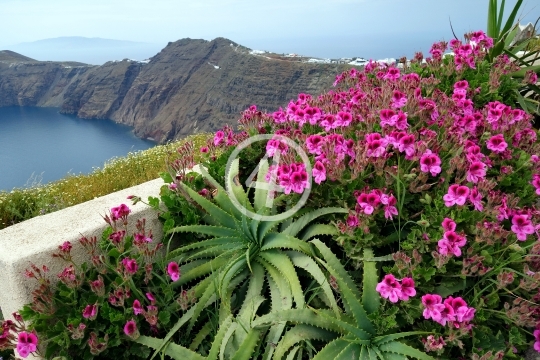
pixel 369 28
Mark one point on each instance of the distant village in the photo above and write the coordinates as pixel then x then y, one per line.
pixel 355 61
pixel 523 32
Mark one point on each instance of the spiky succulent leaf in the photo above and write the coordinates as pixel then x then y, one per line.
pixel 284 265
pixel 379 340
pixel 201 335
pixel 217 231
pixel 285 301
pixel 332 349
pixel 305 219
pixel 245 350
pixel 403 349
pixel 261 194
pixel 317 230
pixel 234 185
pixel 175 351
pixel 202 270
pixel 201 244
pixel 346 286
pixel 351 351
pixel 218 216
pixel 300 316
pixel 371 299
pixel 308 264
pixel 216 344
pixel 282 241
pixel 300 333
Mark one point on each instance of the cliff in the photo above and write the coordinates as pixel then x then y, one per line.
pixel 190 86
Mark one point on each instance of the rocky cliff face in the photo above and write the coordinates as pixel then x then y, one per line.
pixel 190 86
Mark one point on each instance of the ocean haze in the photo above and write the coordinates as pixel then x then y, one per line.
pixel 95 51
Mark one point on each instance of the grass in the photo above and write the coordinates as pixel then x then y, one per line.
pixel 117 174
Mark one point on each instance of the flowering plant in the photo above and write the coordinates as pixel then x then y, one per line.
pixel 96 307
pixel 441 178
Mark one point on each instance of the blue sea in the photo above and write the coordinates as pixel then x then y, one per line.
pixel 41 145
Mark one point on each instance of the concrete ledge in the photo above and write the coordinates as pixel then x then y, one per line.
pixel 35 240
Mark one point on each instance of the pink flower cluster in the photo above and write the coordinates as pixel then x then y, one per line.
pixel 393 289
pixel 368 202
pixel 13 335
pixel 291 178
pixel 452 242
pixel 453 310
pixel 120 212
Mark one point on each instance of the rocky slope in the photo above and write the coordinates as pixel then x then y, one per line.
pixel 190 86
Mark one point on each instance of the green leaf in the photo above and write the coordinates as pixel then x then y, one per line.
pixel 332 350
pixel 299 316
pixel 219 216
pixel 402 349
pixel 234 186
pixel 167 178
pixel 248 346
pixel 371 299
pixel 282 241
pixel 261 194
pixel 218 231
pixel 351 351
pixel 304 220
pixel 301 333
pixel 308 264
pixel 175 351
pixel 216 344
pixel 284 265
pixel 317 230
pixel 347 287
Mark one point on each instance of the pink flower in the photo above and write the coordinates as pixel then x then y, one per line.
pixel 398 99
pixel 299 181
pixel 448 224
pixel 90 312
pixel 173 270
pixel 456 195
pixel 536 345
pixel 151 297
pixel 130 329
pixel 406 144
pixel 388 117
pixel 536 182
pixel 451 243
pixel 430 162
pixel 314 144
pixel 274 146
pixel 390 209
pixel 205 149
pixel 368 202
pixel 120 212
pixel 407 289
pixel 522 226
pixel 476 199
pixel 130 265
pixel 433 307
pixel 497 144
pixel 389 288
pixel 476 171
pixel 137 307
pixel 392 74
pixel 376 145
pixel 352 221
pixel 26 343
pixel 218 138
pixel 319 172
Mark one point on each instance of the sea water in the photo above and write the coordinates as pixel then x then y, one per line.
pixel 39 145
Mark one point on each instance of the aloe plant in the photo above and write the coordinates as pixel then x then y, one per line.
pixel 351 335
pixel 504 34
pixel 240 251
